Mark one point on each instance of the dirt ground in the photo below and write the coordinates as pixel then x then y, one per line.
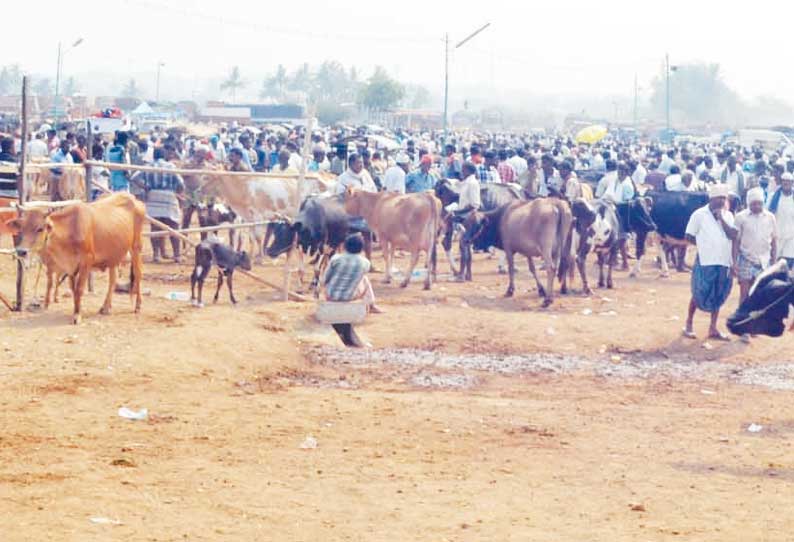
pixel 472 418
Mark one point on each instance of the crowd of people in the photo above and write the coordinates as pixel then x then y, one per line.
pixel 540 165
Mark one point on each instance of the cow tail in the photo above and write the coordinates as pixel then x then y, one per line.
pixel 564 239
pixel 133 278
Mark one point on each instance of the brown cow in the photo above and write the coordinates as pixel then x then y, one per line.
pixel 539 227
pixel 400 222
pixel 70 184
pixel 81 237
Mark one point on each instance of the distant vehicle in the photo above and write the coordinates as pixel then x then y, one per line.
pixel 769 140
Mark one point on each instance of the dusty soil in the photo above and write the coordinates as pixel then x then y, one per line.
pixel 472 418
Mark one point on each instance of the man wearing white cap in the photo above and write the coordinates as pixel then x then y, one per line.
pixel 781 204
pixel 394 178
pixel 711 229
pixel 756 247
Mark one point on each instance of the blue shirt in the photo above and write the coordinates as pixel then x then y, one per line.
pixel 118 178
pixel 418 181
pixel 487 174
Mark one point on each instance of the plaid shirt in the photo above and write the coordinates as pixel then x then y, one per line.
pixel 344 273
pixel 487 174
pixel 160 181
pixel 506 172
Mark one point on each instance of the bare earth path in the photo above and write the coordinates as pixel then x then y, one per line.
pixel 473 418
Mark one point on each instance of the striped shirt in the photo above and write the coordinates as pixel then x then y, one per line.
pixel 344 273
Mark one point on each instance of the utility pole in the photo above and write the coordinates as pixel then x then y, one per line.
pixel 61 54
pixel 667 94
pixel 157 91
pixel 636 93
pixel 446 83
pixel 57 86
pixel 446 70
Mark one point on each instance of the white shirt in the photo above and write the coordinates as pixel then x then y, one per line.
pixel 732 180
pixel 359 181
pixel 639 175
pixel 469 193
pixel 665 164
pixel 714 247
pixel 674 183
pixel 37 148
pixel 785 226
pixel 394 180
pixel 608 180
pixel 521 167
pixel 295 161
pixel 756 233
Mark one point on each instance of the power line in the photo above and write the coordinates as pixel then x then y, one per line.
pixel 223 20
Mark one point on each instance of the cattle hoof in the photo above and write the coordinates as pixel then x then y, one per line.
pixel 588 292
pixel 105 311
pixel 564 291
pixel 404 284
pixel 76 319
pixel 664 275
pixel 427 287
pixel 610 286
pixel 600 284
pixel 542 292
pixel 546 302
pixel 509 293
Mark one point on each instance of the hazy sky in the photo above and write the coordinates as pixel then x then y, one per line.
pixel 581 47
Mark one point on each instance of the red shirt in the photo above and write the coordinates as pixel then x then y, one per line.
pixel 506 172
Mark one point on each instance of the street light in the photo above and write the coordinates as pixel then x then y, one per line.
pixel 667 69
pixel 61 54
pixel 446 70
pixel 157 92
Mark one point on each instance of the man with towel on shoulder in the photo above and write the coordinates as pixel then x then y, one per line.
pixel 711 229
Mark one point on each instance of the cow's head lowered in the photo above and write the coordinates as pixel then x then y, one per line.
pixel 284 232
pixel 31 229
pixel 767 303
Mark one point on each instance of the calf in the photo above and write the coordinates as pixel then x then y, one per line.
pixel 213 252
pixel 215 214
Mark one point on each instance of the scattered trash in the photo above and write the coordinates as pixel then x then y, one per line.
pixel 608 313
pixel 674 318
pixel 723 440
pixel 178 296
pixel 637 507
pixel 754 428
pixel 142 414
pixel 309 443
pixel 607 300
pixel 602 349
pixel 419 273
pixel 587 312
pixel 708 346
pixel 707 392
pixel 104 521
pixel 550 331
pixel 464 304
pixel 71 339
pixel 652 291
pixel 615 359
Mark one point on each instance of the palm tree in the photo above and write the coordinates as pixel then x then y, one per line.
pixel 234 82
pixel 273 86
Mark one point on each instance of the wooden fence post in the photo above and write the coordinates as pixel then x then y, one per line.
pixel 21 190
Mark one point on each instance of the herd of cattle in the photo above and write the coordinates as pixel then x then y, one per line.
pixel 309 221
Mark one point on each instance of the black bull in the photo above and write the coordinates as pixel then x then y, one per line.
pixel 319 230
pixel 767 304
